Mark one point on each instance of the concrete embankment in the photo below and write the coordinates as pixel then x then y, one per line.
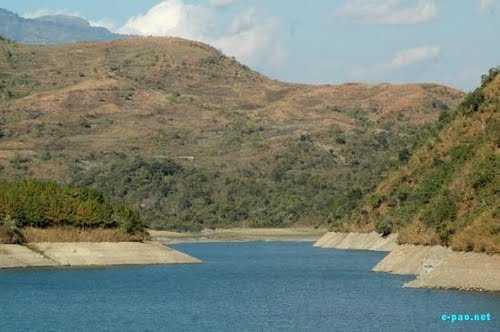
pixel 439 267
pixel 90 254
pixel 433 266
pixel 357 241
pixel 408 259
pixel 13 256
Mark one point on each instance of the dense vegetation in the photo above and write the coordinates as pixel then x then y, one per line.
pixel 38 204
pixel 303 184
pixel 194 139
pixel 449 193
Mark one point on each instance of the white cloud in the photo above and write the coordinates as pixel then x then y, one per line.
pixel 171 18
pixel 104 23
pixel 46 12
pixel 486 5
pixel 415 60
pixel 415 55
pixel 222 3
pixel 248 37
pixel 388 11
pixel 251 39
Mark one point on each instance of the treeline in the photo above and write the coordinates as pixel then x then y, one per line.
pixel 46 204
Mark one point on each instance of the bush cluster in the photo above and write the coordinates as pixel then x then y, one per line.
pixel 39 204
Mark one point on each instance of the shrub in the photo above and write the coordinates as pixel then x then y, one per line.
pixel 487 78
pixel 128 220
pixel 461 153
pixel 473 101
pixel 384 226
pixel 376 200
pixel 442 209
pixel 10 232
pixel 404 156
pixel 485 172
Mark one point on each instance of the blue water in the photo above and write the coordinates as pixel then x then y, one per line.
pixel 240 287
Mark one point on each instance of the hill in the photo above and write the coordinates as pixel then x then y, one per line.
pixel 195 139
pixel 448 193
pixel 51 29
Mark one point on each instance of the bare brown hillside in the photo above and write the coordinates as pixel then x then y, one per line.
pixel 74 106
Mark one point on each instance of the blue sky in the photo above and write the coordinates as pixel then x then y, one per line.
pixel 321 41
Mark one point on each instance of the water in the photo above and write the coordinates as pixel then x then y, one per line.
pixel 240 287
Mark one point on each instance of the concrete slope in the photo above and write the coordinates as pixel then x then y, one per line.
pixel 16 256
pixel 104 254
pixel 409 259
pixel 90 254
pixel 460 270
pixel 357 241
pixel 440 267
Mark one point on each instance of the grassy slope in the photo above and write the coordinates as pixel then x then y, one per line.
pixel 449 191
pixel 193 137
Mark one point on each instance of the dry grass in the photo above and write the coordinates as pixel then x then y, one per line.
pixel 32 235
pixel 478 237
pixel 5 237
pixel 355 227
pixel 416 233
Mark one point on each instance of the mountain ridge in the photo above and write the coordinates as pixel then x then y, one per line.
pixel 51 29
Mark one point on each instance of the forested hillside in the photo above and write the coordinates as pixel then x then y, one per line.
pixel 449 192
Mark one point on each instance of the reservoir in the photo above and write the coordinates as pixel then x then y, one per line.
pixel 250 286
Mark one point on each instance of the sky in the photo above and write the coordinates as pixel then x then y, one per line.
pixel 450 42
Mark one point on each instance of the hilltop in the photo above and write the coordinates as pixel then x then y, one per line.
pixel 448 193
pixel 195 139
pixel 51 29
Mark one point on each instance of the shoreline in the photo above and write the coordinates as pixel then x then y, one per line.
pixel 433 266
pixel 298 234
pixel 155 252
pixel 89 254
